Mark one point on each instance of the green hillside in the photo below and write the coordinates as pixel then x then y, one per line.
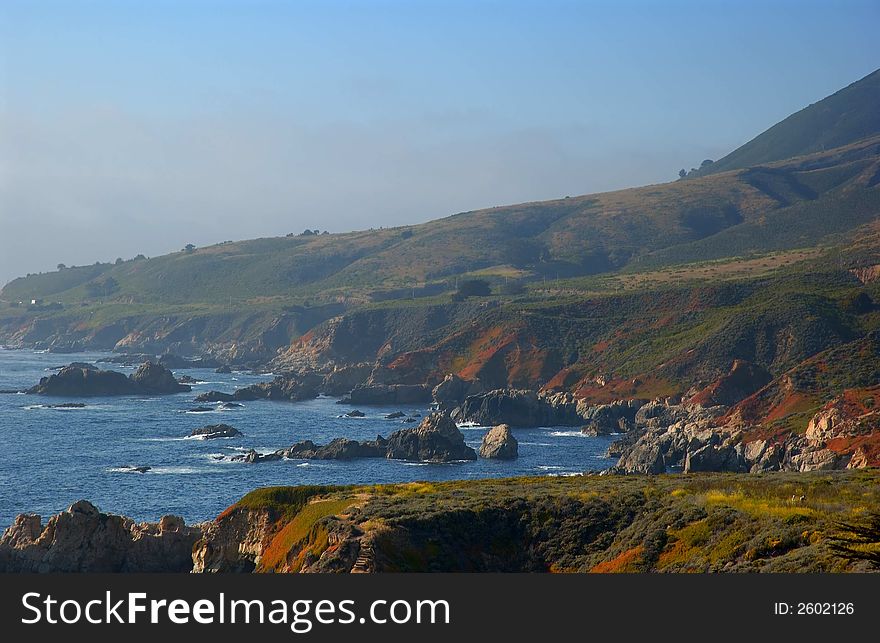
pixel 851 114
pixel 792 204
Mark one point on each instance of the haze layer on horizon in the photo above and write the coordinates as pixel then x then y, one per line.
pixel 130 128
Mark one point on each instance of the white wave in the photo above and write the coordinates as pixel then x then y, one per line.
pixel 568 434
pixel 549 467
pixel 470 425
pixel 536 444
pixel 304 464
pixel 178 470
pixel 168 439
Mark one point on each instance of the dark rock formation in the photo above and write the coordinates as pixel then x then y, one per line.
pixel 499 443
pixel 82 539
pixel 517 407
pixel 436 439
pixel 85 380
pixel 154 379
pixel 213 431
pixel 130 468
pixel 338 449
pixel 224 370
pixel 396 415
pixel 354 413
pixel 605 419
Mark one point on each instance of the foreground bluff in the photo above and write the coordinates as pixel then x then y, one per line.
pixel 77 380
pixel 82 539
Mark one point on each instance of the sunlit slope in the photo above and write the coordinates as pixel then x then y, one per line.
pixel 791 204
pixel 849 115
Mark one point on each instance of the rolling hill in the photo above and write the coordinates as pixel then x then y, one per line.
pixel 665 284
pixel 848 115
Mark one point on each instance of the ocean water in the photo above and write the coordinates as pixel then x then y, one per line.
pixel 52 457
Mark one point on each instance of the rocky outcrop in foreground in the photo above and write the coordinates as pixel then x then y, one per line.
pixel 599 524
pixel 85 380
pixel 436 439
pixel 82 539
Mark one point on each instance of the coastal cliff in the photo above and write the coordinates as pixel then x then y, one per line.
pixel 780 522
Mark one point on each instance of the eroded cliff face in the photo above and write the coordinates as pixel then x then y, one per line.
pixel 82 539
pixel 242 337
pixel 282 529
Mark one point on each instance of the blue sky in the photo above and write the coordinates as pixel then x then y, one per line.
pixel 134 127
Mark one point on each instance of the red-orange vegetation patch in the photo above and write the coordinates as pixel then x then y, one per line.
pixel 795 402
pixel 643 387
pixel 563 380
pixel 870 445
pixel 625 562
pixel 483 350
pixel 772 434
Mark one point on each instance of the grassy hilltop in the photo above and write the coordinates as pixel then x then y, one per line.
pixel 683 523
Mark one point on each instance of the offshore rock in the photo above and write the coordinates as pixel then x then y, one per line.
pixel 499 443
pixel 213 431
pixel 436 439
pixel 84 380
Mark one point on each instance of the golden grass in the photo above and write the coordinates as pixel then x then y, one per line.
pixel 298 530
pixel 757 506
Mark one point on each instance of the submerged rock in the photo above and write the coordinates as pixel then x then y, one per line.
pixel 213 431
pixel 499 443
pixel 355 414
